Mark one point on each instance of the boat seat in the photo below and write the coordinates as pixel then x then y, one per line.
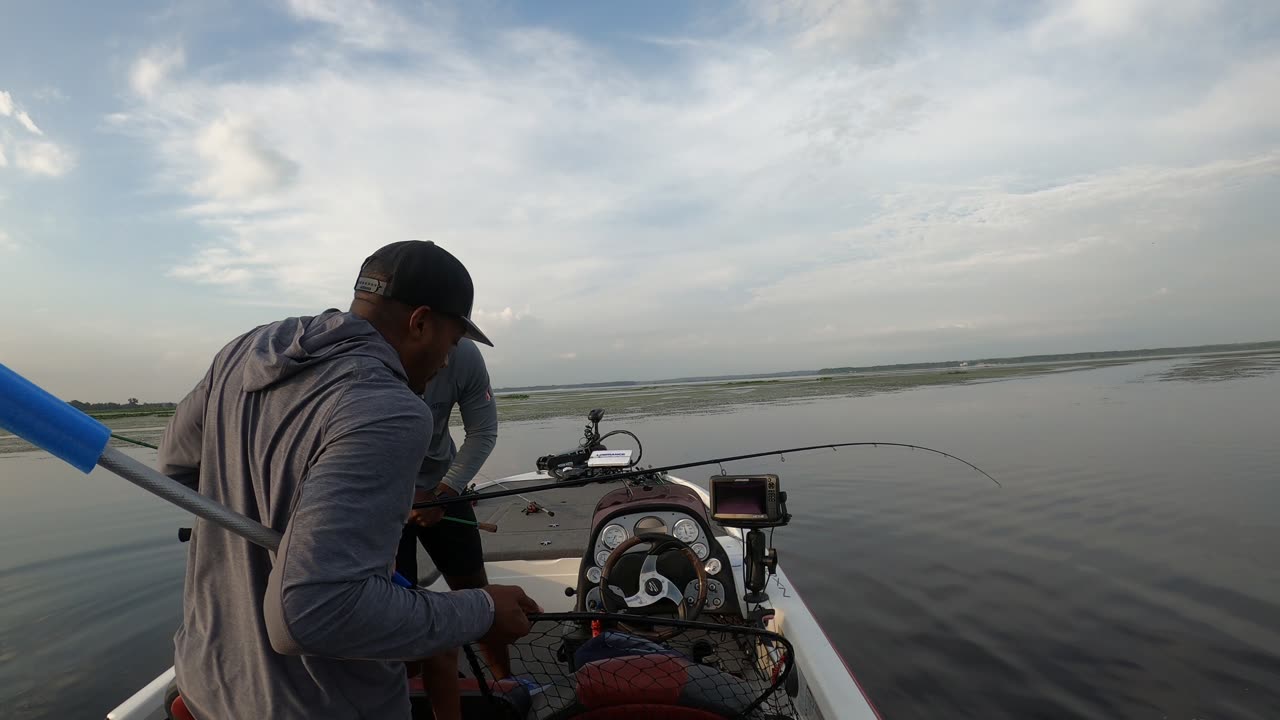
pixel 658 684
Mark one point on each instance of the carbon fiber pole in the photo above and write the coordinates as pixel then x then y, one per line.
pixel 184 497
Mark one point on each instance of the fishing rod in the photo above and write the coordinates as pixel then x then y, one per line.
pixel 625 475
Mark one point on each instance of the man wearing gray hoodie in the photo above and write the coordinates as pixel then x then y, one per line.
pixel 315 427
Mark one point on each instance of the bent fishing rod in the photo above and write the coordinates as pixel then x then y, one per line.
pixel 628 474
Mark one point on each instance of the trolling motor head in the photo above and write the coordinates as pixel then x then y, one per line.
pixel 577 457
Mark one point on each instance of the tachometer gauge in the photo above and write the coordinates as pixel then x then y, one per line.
pixel 593 575
pixel 686 530
pixel 613 536
pixel 713 566
pixel 602 557
pixel 700 550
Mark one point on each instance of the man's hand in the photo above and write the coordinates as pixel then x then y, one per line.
pixel 510 614
pixel 430 516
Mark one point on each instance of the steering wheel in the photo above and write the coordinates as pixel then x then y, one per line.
pixel 653 585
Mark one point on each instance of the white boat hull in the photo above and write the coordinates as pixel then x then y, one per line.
pixel 827 688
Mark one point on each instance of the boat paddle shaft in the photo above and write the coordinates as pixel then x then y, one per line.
pixel 31 413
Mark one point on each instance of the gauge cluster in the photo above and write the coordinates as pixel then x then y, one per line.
pixel 668 522
pixel 683 527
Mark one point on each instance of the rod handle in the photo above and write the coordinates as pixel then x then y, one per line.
pixel 31 413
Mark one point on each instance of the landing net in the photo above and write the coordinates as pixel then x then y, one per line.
pixel 579 664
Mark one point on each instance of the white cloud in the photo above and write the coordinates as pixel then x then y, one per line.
pixel 239 162
pixel 867 28
pixel 27 122
pixel 6 104
pixel 7 244
pixel 973 184
pixel 4 160
pixel 1078 21
pixel 44 158
pixel 374 26
pixel 1244 100
pixel 153 69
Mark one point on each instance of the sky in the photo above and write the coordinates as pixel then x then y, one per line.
pixel 639 190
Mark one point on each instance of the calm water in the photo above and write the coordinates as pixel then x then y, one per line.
pixel 1127 569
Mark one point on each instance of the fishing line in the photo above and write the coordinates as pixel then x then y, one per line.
pixel 135 442
pixel 625 475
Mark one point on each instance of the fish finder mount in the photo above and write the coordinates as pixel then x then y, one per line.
pixel 751 503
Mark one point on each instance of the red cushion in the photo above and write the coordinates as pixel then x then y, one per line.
pixel 178 710
pixel 647 712
pixel 650 679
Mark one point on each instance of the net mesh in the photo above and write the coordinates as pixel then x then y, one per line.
pixel 572 663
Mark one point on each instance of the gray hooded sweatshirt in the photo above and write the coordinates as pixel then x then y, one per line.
pixel 307 425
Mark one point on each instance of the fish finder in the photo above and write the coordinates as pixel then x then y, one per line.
pixel 748 501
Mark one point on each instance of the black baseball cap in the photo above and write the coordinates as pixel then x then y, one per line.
pixel 419 273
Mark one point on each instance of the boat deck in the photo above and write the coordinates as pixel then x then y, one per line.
pixel 539 536
pixel 536 536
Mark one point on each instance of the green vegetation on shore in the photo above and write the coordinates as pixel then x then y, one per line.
pixel 130 408
pixel 144 422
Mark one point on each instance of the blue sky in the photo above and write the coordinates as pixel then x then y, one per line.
pixel 640 190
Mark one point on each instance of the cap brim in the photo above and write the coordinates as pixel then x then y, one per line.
pixel 473 332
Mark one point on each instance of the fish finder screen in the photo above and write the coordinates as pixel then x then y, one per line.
pixel 746 497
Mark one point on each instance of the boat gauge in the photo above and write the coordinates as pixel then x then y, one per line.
pixel 713 566
pixel 602 557
pixel 613 536
pixel 700 550
pixel 686 531
pixel 593 575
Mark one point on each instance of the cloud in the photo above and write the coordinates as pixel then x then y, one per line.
pixel 239 161
pixel 1243 101
pixel 873 168
pixel 153 69
pixel 1081 21
pixel 940 239
pixel 44 158
pixel 7 244
pixel 27 122
pixel 373 26
pixel 868 28
pixel 35 157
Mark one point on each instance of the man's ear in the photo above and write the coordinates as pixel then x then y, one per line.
pixel 420 320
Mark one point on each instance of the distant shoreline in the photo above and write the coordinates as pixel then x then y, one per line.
pixel 105 411
pixel 942 364
pixel 656 399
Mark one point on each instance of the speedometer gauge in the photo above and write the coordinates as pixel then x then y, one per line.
pixel 701 550
pixel 613 536
pixel 593 575
pixel 686 530
pixel 602 557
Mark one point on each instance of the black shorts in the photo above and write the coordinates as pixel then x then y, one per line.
pixel 453 547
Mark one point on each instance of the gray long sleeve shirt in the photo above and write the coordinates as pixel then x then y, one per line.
pixel 308 426
pixel 464 382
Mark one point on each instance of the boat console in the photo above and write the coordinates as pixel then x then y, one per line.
pixel 657 551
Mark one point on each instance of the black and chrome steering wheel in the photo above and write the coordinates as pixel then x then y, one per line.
pixel 653 586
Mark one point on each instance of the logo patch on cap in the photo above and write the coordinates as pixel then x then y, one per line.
pixel 371 285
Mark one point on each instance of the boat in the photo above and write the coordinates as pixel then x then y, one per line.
pixel 661 600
